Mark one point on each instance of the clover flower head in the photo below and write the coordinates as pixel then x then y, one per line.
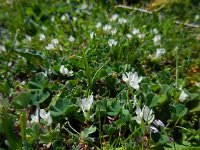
pixel 132 79
pixel 92 34
pixel 183 96
pixel 71 39
pixel 122 21
pixel 112 42
pixel 107 27
pixel 35 118
pixel 145 115
pixel 114 17
pixel 46 116
pixel 113 31
pixel 157 39
pixel 98 25
pixel 64 71
pixel 54 41
pixel 135 31
pixel 86 103
pixel 159 52
pixel 50 46
pixel 129 36
pixel 42 37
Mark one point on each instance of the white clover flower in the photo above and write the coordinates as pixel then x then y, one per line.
pixel 153 129
pixel 107 27
pixel 54 41
pixel 159 52
pixel 132 79
pixel 71 39
pixel 113 17
pixel 50 46
pixel 35 118
pixel 84 6
pixel 158 123
pixel 129 36
pixel 63 18
pixel 113 31
pixel 75 18
pixel 2 48
pixel 145 115
pixel 135 31
pixel 183 96
pixel 64 71
pixel 28 38
pixel 42 37
pixel 92 34
pixel 122 21
pixel 112 42
pixel 148 114
pixel 52 19
pixel 86 103
pixel 46 116
pixel 157 39
pixel 197 17
pixel 141 35
pixel 98 25
pixel 155 31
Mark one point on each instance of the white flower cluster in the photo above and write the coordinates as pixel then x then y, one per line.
pixel 112 42
pixel 145 114
pixel 41 113
pixel 64 71
pixel 53 44
pixel 132 79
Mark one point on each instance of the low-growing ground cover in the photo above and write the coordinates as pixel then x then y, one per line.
pixel 99 75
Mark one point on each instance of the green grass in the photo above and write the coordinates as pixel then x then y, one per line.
pixel 102 104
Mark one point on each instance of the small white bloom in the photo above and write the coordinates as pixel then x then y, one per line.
pixel 158 123
pixel 139 116
pixel 64 71
pixel 135 31
pixel 183 96
pixel 2 48
pixel 98 25
pixel 197 84
pixel 145 114
pixel 157 39
pixel 155 31
pixel 113 31
pixel 54 41
pixel 52 19
pixel 92 34
pixel 159 52
pixel 84 6
pixel 71 39
pixel 35 118
pixel 141 35
pixel 42 37
pixel 28 38
pixel 114 17
pixel 50 46
pixel 148 114
pixel 122 21
pixel 153 129
pixel 112 42
pixel 75 18
pixel 86 103
pixel 196 17
pixel 132 79
pixel 129 36
pixel 46 116
pixel 107 27
pixel 63 18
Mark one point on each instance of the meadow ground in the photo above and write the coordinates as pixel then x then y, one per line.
pixel 99 75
